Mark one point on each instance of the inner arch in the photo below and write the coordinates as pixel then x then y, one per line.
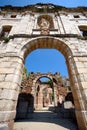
pixel 46 42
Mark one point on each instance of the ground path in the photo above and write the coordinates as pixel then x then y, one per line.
pixel 45 120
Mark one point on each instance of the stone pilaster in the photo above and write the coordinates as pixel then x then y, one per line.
pixel 11 75
pixel 77 72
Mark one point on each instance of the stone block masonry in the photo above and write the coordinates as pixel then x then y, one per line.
pixel 25 35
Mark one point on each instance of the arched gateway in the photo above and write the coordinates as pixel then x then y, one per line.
pixel 13 54
pixel 42 90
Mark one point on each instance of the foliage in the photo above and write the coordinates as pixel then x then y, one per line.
pixel 52 95
pixel 25 74
pixel 25 70
pixel 6 39
pixel 50 83
pixel 69 88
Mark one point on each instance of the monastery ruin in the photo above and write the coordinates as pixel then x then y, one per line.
pixel 24 29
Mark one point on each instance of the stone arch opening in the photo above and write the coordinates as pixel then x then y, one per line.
pixel 64 48
pixel 51 43
pixel 46 42
pixel 44 91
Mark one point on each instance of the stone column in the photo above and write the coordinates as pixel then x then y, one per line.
pixel 78 78
pixel 34 94
pixel 40 100
pixel 10 80
pixel 55 96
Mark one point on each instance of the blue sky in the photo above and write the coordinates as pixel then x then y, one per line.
pixel 46 60
pixel 67 3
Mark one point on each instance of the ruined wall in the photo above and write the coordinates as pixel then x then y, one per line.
pixel 25 37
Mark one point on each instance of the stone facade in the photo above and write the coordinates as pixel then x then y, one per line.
pixel 64 30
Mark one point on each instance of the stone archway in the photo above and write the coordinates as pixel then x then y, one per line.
pixel 34 86
pixel 11 75
pixel 40 96
pixel 72 58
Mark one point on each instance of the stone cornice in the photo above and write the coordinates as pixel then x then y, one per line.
pixel 53 35
pixel 39 7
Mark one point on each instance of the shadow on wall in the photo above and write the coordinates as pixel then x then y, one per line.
pixel 25 106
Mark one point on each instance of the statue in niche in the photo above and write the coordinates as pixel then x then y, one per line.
pixel 44 26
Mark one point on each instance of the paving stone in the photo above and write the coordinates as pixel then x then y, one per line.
pixel 3 127
pixel 48 120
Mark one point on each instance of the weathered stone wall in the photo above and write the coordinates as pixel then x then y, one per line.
pixel 13 54
pixel 24 24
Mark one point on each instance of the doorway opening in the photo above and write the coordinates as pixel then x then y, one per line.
pixel 44 93
pixel 56 83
